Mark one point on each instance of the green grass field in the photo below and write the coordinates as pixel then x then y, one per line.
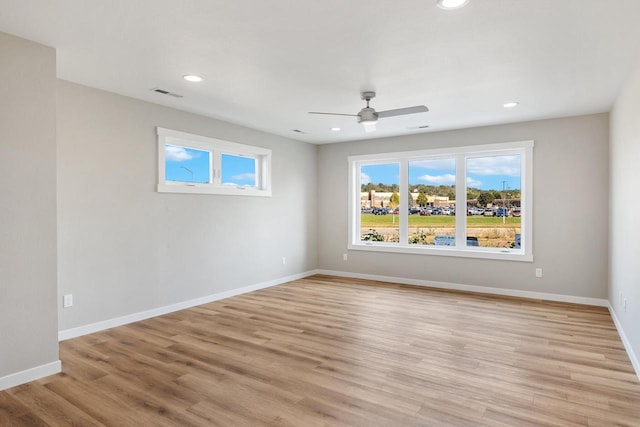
pixel 435 221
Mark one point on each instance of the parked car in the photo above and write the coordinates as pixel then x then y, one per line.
pixel 366 210
pixel 413 211
pixel 425 212
pixel 502 212
pixel 396 211
pixel 380 211
pixel 489 212
pixel 516 212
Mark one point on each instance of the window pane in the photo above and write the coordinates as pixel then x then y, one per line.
pixel 183 164
pixel 379 201
pixel 432 207
pixel 238 170
pixel 493 201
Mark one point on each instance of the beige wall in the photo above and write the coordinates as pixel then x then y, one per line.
pixel 125 248
pixel 28 323
pixel 570 217
pixel 624 253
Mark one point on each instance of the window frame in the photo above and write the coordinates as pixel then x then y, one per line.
pixel 216 148
pixel 460 154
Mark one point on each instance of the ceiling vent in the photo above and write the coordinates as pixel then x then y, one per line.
pixel 166 92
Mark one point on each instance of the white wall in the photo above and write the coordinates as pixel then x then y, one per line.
pixel 624 243
pixel 124 248
pixel 570 210
pixel 28 322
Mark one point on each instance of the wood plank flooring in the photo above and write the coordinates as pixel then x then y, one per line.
pixel 325 351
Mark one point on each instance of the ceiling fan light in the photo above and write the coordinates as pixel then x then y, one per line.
pixel 369 126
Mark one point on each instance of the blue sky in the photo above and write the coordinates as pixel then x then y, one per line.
pixel 190 165
pixel 486 173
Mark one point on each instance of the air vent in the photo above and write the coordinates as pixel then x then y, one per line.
pixel 166 92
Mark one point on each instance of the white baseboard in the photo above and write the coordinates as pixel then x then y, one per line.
pixel 625 341
pixel 471 288
pixel 135 317
pixel 31 374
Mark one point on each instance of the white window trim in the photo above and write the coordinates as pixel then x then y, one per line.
pixel 524 148
pixel 216 147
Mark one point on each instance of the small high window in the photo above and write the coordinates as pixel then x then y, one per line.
pixel 190 163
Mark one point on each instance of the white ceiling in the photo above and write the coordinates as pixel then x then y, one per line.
pixel 267 63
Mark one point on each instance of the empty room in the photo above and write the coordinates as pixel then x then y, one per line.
pixel 319 213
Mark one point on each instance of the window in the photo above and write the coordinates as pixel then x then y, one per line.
pixel 471 201
pixel 196 164
pixel 379 218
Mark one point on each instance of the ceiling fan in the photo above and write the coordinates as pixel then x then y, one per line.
pixel 369 117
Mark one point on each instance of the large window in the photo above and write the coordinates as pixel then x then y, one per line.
pixel 471 201
pixel 196 164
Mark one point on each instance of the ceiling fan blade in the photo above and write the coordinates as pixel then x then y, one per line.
pixel 333 114
pixel 403 111
pixel 369 127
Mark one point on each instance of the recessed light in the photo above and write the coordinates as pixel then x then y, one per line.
pixel 451 4
pixel 335 129
pixel 192 78
pixel 510 104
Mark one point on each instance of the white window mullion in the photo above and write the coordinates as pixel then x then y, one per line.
pixel 355 214
pixel 217 167
pixel 404 202
pixel 526 197
pixel 461 201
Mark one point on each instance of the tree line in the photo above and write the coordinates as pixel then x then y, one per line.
pixel 484 197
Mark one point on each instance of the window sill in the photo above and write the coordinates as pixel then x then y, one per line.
pixel 482 253
pixel 208 189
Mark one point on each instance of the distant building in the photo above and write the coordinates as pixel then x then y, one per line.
pixel 374 199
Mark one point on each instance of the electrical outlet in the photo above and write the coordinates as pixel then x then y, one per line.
pixel 538 272
pixel 67 301
pixel 284 260
pixel 344 257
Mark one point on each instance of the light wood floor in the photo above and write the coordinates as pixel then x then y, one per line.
pixel 324 351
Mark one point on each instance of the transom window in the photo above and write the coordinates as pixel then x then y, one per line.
pixel 473 201
pixel 190 163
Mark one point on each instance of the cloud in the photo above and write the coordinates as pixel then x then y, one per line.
pixel 446 179
pixel 364 178
pixel 496 165
pixel 473 183
pixel 245 176
pixel 440 164
pixel 176 154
